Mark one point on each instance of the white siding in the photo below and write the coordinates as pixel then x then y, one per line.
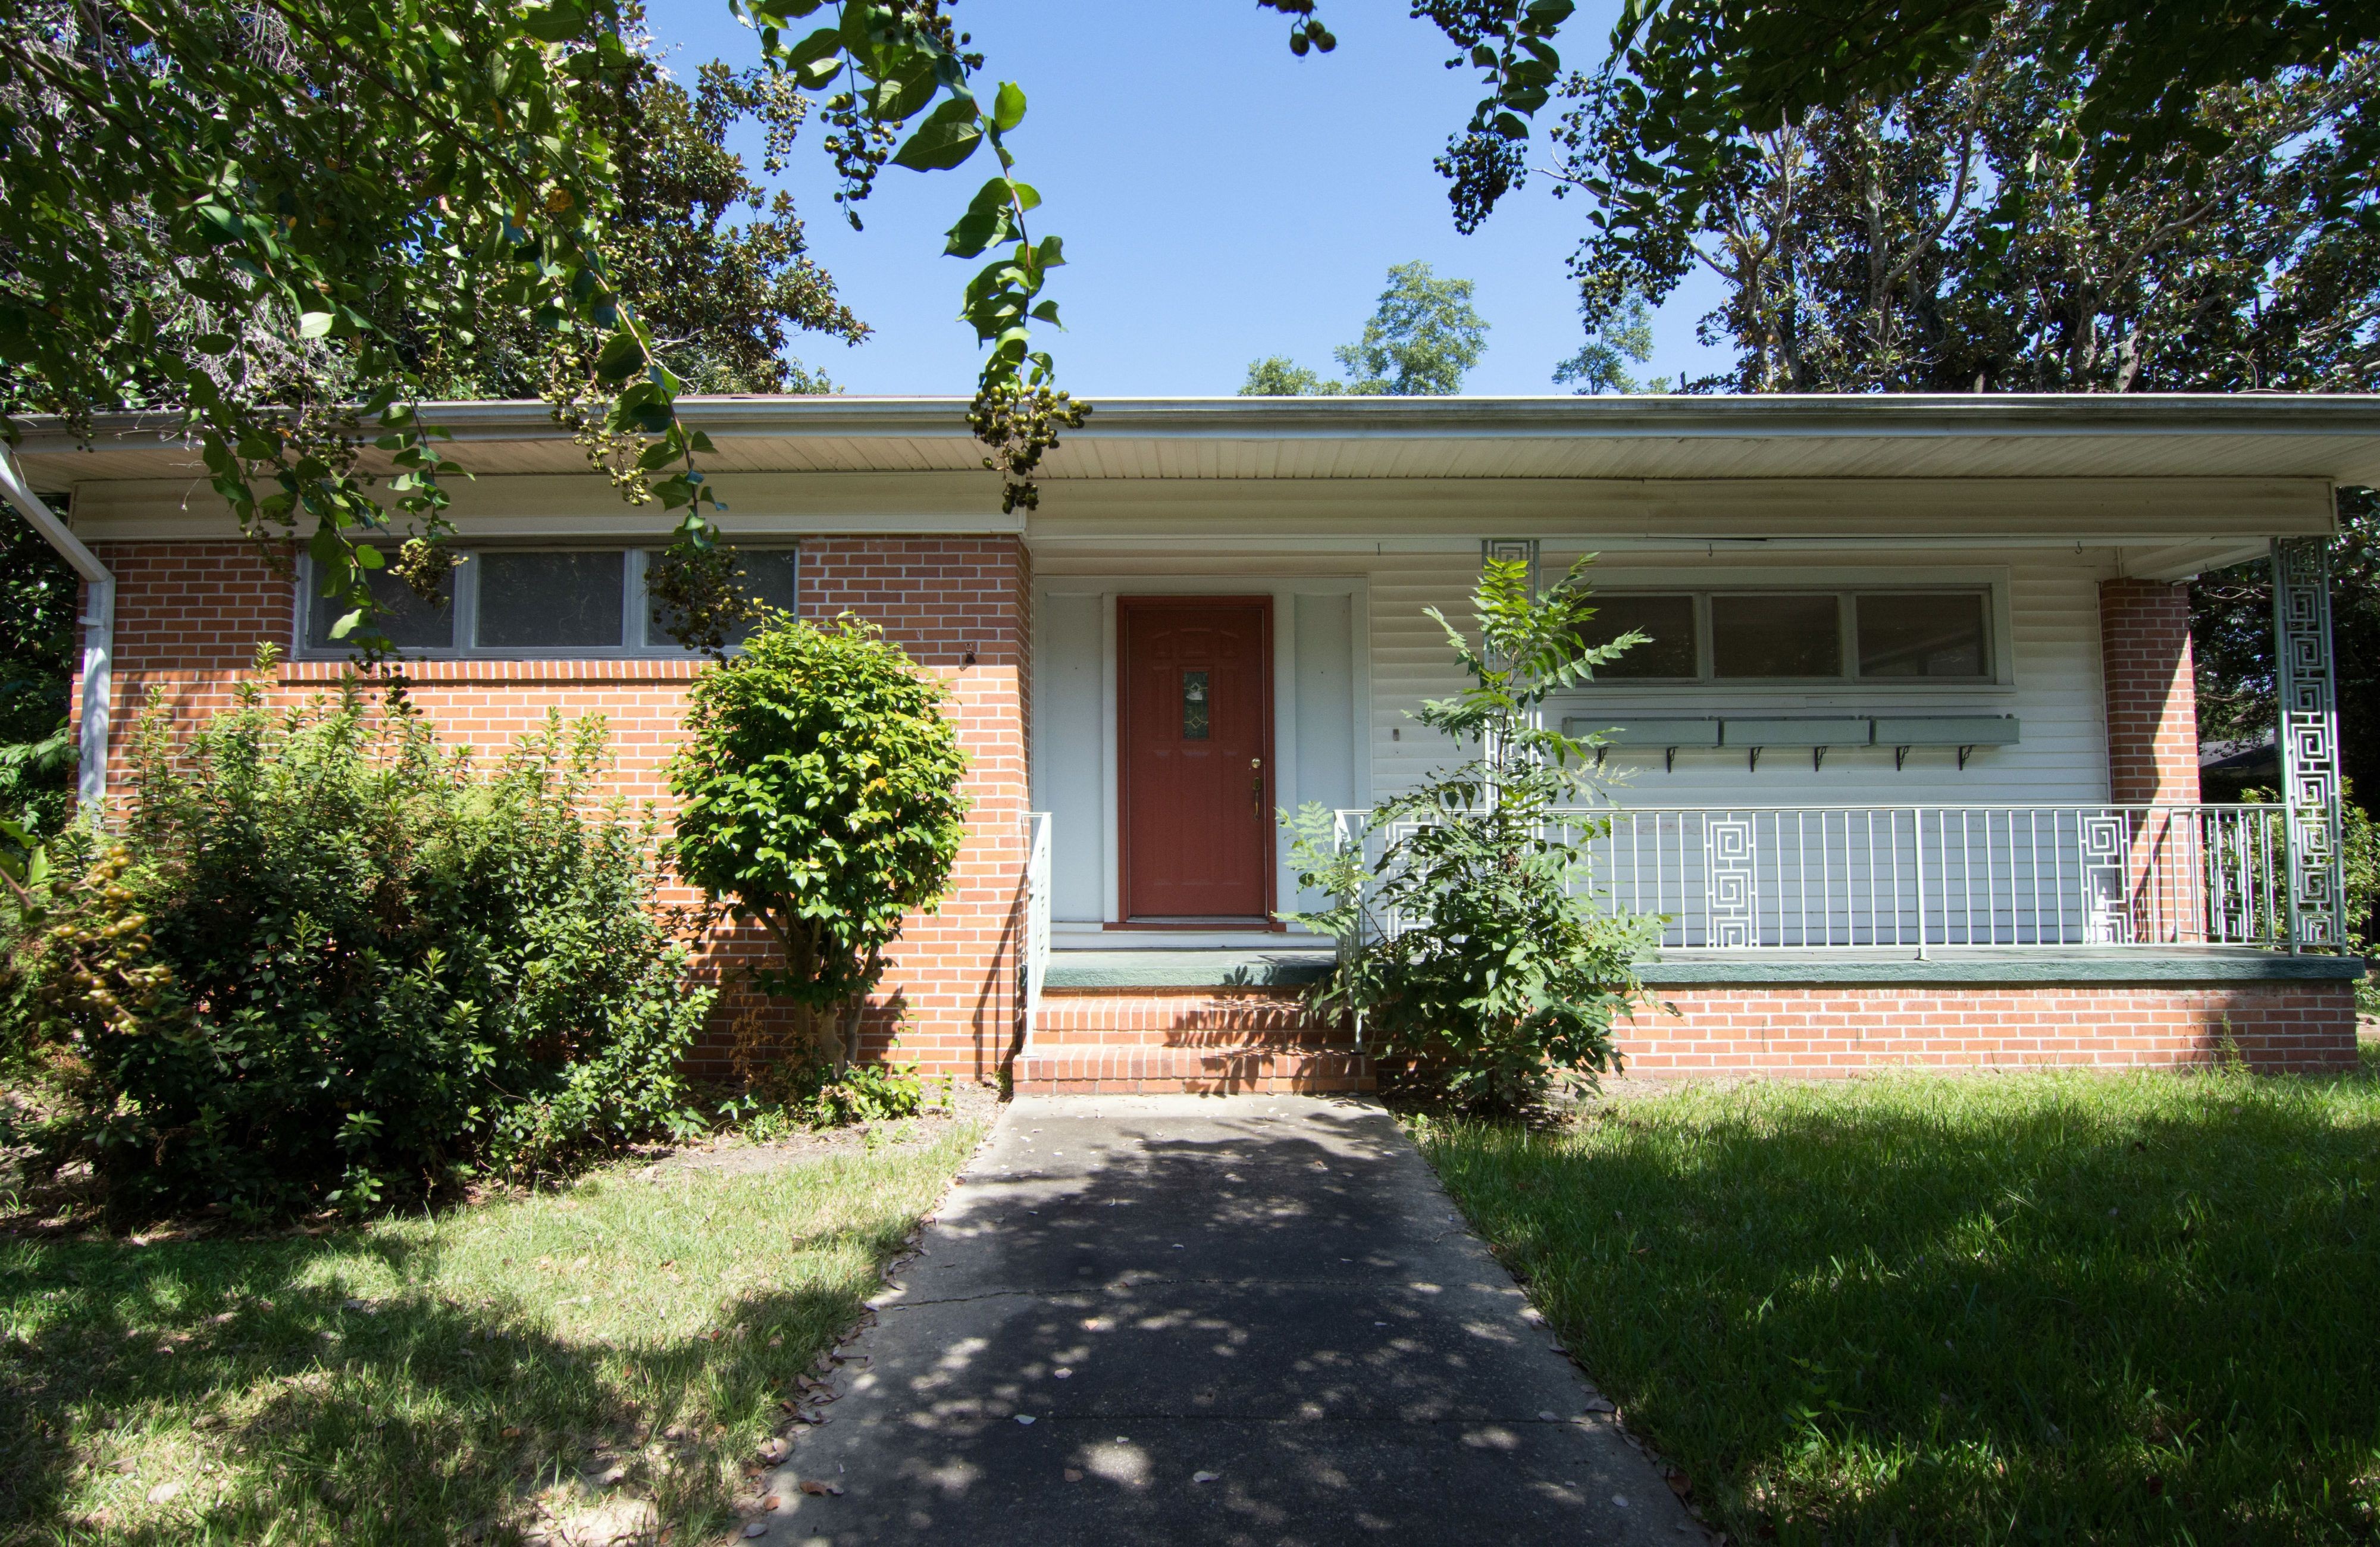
pixel 2051 618
pixel 1068 773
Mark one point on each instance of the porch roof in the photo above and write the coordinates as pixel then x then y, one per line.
pixel 2334 438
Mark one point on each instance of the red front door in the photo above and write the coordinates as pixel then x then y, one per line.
pixel 1198 758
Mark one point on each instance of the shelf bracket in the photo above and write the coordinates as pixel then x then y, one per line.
pixel 1899 756
pixel 1962 757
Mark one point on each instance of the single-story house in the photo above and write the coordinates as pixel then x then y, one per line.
pixel 1909 769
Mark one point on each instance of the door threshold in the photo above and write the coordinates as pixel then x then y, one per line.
pixel 1111 937
pixel 1236 923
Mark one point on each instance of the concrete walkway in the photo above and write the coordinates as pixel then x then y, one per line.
pixel 1245 1320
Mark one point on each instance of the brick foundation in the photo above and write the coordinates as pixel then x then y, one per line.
pixel 1823 1029
pixel 2151 693
pixel 190 616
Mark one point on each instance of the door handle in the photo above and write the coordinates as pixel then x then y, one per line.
pixel 1256 784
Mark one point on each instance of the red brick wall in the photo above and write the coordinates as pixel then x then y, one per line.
pixel 2152 695
pixel 1810 1029
pixel 189 615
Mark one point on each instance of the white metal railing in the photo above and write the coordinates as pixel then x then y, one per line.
pixel 1033 963
pixel 1834 876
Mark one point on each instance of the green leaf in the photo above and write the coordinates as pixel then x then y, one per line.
pixel 213 343
pixel 346 624
pixel 947 137
pixel 623 357
pixel 908 86
pixel 314 324
pixel 824 44
pixel 558 22
pixel 986 221
pixel 1008 106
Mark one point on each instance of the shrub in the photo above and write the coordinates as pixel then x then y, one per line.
pixel 331 963
pixel 1465 952
pixel 818 792
pixel 810 1094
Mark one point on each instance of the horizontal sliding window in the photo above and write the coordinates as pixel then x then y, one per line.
pixel 564 603
pixel 409 622
pixel 1796 636
pixel 1787 633
pixel 552 600
pixel 1922 634
pixel 1668 624
pixel 767 576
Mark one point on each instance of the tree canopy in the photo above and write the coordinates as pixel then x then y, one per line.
pixel 261 214
pixel 1421 339
pixel 1964 234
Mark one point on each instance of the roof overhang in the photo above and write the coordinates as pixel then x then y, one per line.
pixel 2174 484
pixel 2334 437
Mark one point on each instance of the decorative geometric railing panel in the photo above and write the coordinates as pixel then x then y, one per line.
pixel 2308 736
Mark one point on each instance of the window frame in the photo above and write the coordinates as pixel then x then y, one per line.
pixel 634 608
pixel 1996 672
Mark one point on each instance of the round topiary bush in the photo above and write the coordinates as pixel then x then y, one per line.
pixel 819 793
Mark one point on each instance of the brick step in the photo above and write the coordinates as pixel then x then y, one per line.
pixel 1130 1069
pixel 1217 1039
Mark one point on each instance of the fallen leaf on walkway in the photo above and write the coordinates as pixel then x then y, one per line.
pixel 1025 1418
pixel 1680 1485
pixel 164 1493
pixel 1074 1475
pixel 1204 1476
pixel 819 1490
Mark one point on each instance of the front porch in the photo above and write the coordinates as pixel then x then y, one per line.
pixel 1906 769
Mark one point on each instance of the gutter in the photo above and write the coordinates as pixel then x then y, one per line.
pixel 1760 416
pixel 99 636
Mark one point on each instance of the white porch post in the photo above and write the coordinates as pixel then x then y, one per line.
pixel 2306 729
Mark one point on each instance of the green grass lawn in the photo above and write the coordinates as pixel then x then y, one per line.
pixel 442 1379
pixel 2031 1307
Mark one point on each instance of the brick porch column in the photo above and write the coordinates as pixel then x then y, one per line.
pixel 2153 751
pixel 2152 695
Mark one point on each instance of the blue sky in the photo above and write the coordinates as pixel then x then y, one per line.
pixel 1219 199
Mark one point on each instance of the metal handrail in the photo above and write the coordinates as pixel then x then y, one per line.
pixel 1840 876
pixel 1033 964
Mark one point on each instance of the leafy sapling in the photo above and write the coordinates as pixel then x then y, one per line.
pixel 1468 952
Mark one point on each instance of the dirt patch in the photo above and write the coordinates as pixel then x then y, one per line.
pixel 732 1155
